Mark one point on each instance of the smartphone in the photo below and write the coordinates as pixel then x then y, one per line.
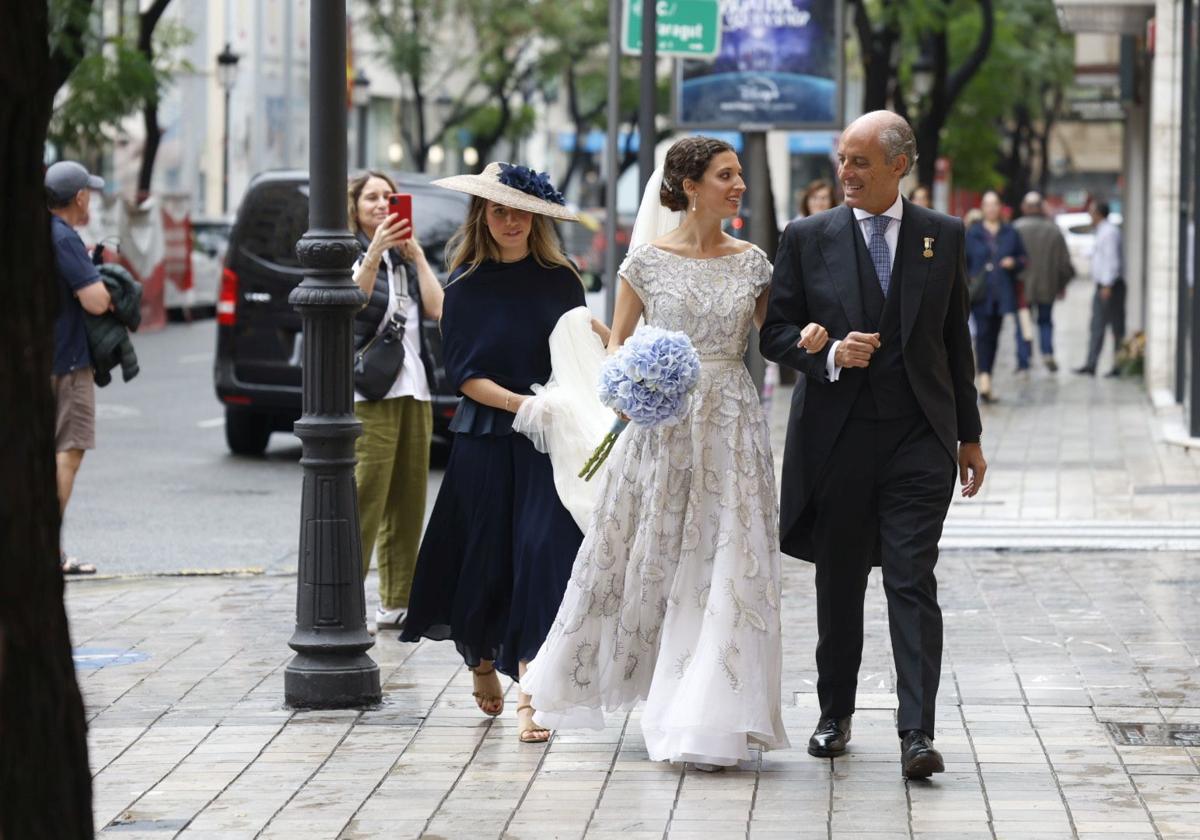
pixel 400 204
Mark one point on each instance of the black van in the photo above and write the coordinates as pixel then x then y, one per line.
pixel 257 369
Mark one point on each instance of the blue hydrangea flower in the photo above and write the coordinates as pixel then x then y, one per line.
pixel 650 377
pixel 536 184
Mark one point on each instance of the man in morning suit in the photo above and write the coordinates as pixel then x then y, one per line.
pixel 880 421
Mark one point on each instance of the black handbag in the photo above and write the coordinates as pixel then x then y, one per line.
pixel 378 362
pixel 977 288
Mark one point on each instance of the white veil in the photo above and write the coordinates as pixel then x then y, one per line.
pixel 565 418
pixel 653 220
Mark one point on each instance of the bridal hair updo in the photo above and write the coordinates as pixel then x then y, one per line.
pixel 687 158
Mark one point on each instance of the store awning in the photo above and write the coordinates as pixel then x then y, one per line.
pixel 1124 17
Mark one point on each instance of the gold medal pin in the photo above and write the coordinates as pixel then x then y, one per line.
pixel 928 248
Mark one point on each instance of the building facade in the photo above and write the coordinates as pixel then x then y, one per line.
pixel 1158 48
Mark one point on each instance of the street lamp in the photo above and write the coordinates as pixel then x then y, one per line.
pixel 361 97
pixel 227 62
pixel 331 669
pixel 922 75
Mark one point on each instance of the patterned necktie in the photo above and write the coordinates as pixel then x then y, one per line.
pixel 880 255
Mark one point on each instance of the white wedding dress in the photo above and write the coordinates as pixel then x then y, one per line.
pixel 674 596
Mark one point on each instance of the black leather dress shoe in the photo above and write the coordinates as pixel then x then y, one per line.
pixel 830 737
pixel 918 758
pixel 1085 371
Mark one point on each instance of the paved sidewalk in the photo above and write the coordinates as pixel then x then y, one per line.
pixel 183 681
pixel 1053 660
pixel 1075 462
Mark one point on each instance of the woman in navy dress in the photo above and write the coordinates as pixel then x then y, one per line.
pixel 499 547
pixel 993 247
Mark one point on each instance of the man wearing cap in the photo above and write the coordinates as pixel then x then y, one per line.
pixel 68 195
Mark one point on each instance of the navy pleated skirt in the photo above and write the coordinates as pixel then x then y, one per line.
pixel 497 553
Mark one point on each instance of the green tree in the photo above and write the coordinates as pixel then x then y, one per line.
pixel 897 35
pixel 1004 121
pixel 575 61
pixel 108 77
pixel 44 777
pixel 998 69
pixel 498 58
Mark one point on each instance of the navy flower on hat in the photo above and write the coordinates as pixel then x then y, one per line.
pixel 529 182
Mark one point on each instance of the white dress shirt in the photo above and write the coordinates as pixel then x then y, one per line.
pixel 892 237
pixel 1106 257
pixel 411 381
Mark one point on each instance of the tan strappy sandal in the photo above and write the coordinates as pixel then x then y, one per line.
pixel 483 698
pixel 531 733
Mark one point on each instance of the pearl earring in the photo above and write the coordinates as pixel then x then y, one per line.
pixel 693 204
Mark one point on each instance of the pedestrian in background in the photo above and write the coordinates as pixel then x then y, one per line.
pixel 921 196
pixel 816 198
pixel 393 451
pixel 1108 304
pixel 68 196
pixel 995 252
pixel 1047 272
pixel 498 550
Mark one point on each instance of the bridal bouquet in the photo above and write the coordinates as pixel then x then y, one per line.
pixel 648 382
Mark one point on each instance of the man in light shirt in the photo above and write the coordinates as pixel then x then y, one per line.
pixel 1108 305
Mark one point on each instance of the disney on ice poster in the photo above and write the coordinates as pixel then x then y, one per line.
pixel 779 66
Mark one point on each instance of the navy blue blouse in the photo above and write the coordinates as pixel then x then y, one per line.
pixel 496 324
pixel 983 250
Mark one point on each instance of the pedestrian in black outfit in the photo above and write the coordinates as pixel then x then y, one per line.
pixel 499 547
pixel 880 422
pixel 994 249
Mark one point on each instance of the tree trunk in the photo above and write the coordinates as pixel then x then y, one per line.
pixel 44 771
pixel 878 48
pixel 147 21
pixel 947 88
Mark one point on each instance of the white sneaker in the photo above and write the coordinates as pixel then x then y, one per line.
pixel 390 619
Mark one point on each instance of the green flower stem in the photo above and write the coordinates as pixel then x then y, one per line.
pixel 601 452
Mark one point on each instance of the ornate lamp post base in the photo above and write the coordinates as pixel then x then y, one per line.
pixel 312 681
pixel 331 668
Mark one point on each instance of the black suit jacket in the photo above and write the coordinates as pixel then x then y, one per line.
pixel 816 280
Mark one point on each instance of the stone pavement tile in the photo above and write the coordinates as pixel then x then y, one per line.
pixel 595 833
pixel 631 820
pixel 374 829
pixel 566 829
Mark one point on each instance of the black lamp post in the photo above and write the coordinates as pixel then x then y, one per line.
pixel 227 62
pixel 922 74
pixel 361 96
pixel 331 668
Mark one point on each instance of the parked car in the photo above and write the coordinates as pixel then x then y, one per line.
pixel 257 371
pixel 585 243
pixel 1080 234
pixel 210 239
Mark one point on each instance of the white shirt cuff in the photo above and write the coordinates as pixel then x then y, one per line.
pixel 832 370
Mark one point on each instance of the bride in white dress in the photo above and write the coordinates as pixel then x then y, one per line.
pixel 674 595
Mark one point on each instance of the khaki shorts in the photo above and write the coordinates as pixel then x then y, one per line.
pixel 75 412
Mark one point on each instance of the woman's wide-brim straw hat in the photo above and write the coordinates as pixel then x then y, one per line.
pixel 513 186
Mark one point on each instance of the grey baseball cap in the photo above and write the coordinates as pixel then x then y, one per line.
pixel 66 178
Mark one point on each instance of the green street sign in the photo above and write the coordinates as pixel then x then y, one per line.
pixel 686 28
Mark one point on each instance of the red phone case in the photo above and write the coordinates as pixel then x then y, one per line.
pixel 400 204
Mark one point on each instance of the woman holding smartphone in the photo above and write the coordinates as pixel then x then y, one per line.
pixel 499 546
pixel 393 450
